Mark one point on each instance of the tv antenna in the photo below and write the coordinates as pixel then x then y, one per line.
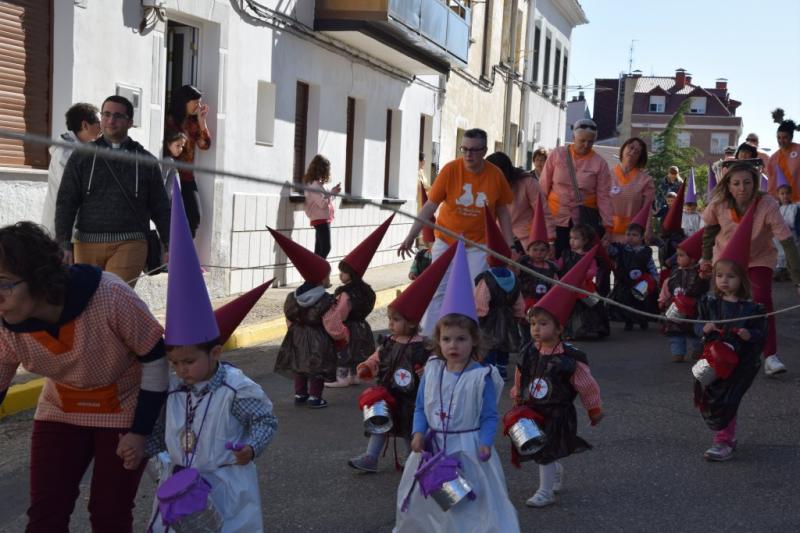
pixel 630 55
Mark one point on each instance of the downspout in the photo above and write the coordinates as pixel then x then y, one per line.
pixel 508 143
pixel 527 78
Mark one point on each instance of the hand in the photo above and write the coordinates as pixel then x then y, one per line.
pixel 337 188
pixel 244 455
pixel 364 371
pixel 412 276
pixel 744 334
pixel 484 453
pixel 418 443
pixel 202 112
pixel 407 247
pixel 513 393
pixel 708 328
pixel 596 417
pixel 131 450
pixel 69 258
pixel 705 269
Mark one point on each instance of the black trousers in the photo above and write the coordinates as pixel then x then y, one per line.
pixel 322 242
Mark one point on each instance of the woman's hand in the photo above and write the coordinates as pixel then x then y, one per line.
pixel 407 247
pixel 418 443
pixel 743 334
pixel 705 269
pixel 131 450
pixel 708 328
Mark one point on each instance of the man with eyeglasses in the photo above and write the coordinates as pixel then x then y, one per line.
pixel 463 188
pixel 113 200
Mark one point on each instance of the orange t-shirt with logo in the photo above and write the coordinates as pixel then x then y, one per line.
pixel 462 195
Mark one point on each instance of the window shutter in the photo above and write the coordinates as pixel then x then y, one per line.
pixel 300 130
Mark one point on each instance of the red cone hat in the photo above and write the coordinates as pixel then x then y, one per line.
pixel 358 259
pixel 642 216
pixel 672 222
pixel 412 302
pixel 427 231
pixel 495 240
pixel 738 248
pixel 230 315
pixel 559 301
pixel 693 245
pixel 539 224
pixel 312 267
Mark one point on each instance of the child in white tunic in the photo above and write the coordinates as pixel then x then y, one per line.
pixel 791 215
pixel 456 411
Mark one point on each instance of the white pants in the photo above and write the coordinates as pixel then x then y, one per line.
pixel 477 264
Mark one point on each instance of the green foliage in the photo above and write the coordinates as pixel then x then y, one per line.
pixel 668 153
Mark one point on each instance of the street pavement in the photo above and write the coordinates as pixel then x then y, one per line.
pixel 646 472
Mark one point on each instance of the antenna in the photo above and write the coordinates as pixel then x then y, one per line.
pixel 630 55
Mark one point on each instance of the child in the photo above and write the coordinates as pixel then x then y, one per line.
pixel 422 260
pixel 456 412
pixel 589 320
pixel 791 214
pixel 548 377
pixel 318 205
pixel 719 401
pixel 216 420
pixel 672 235
pixel 635 274
pixel 174 143
pixel 499 302
pixel 534 288
pixel 399 361
pixel 316 331
pixel 683 288
pixel 354 302
pixel 691 221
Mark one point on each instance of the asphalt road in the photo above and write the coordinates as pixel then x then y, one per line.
pixel 646 472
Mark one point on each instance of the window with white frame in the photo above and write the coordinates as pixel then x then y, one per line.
pixel 697 105
pixel 657 103
pixel 684 139
pixel 718 142
pixel 265 113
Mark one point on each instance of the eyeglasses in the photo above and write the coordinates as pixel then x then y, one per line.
pixel 465 150
pixel 116 116
pixel 6 288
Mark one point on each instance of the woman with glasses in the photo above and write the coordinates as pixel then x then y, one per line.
pixel 576 183
pixel 101 353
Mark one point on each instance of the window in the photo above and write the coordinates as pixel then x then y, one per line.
pixel 564 79
pixel 697 105
pixel 265 113
pixel 348 156
pixel 718 142
pixel 657 104
pixel 486 60
pixel 546 76
pixel 684 139
pixel 537 39
pixel 300 130
pixel 557 73
pixel 505 43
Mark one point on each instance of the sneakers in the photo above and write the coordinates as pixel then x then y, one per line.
pixel 300 399
pixel 558 482
pixel 542 498
pixel 773 365
pixel 317 403
pixel 343 379
pixel 719 452
pixel 365 463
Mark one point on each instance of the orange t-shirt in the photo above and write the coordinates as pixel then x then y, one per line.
pixel 462 196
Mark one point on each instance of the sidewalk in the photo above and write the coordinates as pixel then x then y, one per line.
pixel 265 323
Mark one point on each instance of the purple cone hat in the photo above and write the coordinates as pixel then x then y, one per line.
pixel 691 194
pixel 190 318
pixel 459 296
pixel 780 178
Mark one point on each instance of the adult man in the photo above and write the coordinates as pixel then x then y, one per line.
pixel 116 200
pixel 464 188
pixel 787 159
pixel 752 140
pixel 671 183
pixel 83 126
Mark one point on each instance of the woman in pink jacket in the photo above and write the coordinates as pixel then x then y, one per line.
pixel 318 204
pixel 593 181
pixel 732 197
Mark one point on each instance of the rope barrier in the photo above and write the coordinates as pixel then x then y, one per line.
pixel 121 155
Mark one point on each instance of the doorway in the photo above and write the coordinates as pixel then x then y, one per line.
pixel 182 51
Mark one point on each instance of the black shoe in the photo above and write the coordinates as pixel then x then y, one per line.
pixel 300 399
pixel 317 403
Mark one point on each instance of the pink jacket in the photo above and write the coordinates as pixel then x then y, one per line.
pixel 318 205
pixel 594 182
pixel 526 195
pixel 628 195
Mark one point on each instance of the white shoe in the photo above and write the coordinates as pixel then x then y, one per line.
pixel 773 365
pixel 541 499
pixel 342 379
pixel 558 483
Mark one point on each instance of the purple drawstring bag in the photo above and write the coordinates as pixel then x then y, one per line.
pixel 184 503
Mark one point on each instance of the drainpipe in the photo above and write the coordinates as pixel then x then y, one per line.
pixel 527 77
pixel 508 143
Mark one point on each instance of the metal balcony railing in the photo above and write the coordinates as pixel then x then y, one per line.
pixel 445 23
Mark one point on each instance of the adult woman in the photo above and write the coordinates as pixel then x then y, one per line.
pixel 631 188
pixel 671 183
pixel 539 159
pixel 578 166
pixel 526 195
pixel 732 197
pixel 188 114
pixel 102 355
pixel 786 158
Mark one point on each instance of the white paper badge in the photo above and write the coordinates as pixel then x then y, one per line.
pixel 793 155
pixel 541 289
pixel 402 377
pixel 635 273
pixel 615 190
pixel 539 388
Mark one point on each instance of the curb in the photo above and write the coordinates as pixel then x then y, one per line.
pixel 24 396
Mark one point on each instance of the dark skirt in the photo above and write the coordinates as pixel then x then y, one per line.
pixel 360 346
pixel 587 322
pixel 561 428
pixel 623 294
pixel 306 350
pixel 719 402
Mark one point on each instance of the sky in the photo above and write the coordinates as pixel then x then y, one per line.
pixel 754 44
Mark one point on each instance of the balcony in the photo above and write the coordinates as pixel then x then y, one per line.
pixel 417 36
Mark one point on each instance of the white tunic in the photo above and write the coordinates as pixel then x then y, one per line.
pixel 491 511
pixel 789 214
pixel 234 488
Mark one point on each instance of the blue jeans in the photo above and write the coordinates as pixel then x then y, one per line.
pixel 682 344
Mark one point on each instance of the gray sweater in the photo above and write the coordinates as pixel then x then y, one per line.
pixel 90 192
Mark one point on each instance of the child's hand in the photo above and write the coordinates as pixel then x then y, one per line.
pixel 419 370
pixel 418 443
pixel 484 453
pixel 244 455
pixel 596 417
pixel 131 450
pixel 744 334
pixel 364 372
pixel 708 328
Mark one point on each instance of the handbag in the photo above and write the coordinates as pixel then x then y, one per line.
pixel 155 253
pixel 588 216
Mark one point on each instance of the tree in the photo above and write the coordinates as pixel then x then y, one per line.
pixel 667 152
